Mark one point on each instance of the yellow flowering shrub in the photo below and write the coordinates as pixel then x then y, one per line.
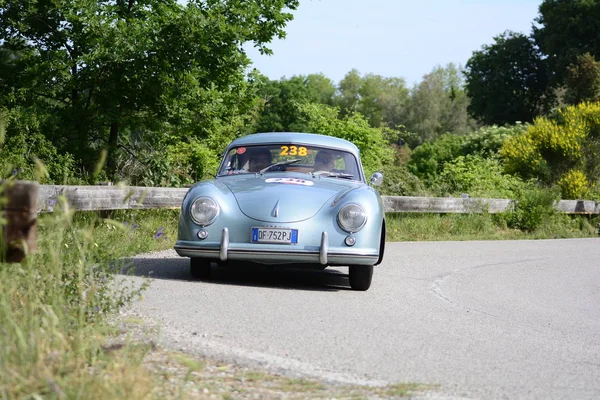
pixel 574 185
pixel 551 146
pixel 522 155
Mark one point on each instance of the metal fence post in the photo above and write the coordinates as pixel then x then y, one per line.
pixel 19 228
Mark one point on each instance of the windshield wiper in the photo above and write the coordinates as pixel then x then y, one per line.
pixel 279 163
pixel 333 174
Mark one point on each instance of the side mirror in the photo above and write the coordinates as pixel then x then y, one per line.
pixel 376 179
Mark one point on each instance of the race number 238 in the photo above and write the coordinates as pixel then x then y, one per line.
pixel 293 151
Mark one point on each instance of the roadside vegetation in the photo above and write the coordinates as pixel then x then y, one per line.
pixel 81 101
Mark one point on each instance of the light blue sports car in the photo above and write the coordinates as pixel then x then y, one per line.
pixel 286 198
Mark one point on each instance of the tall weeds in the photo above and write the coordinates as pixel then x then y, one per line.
pixel 53 310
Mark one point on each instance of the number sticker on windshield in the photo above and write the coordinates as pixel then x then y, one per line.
pixel 293 151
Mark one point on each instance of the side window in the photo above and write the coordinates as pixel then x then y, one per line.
pixel 351 167
pixel 235 162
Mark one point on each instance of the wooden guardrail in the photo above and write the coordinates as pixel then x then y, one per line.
pixel 441 205
pixel 24 200
pixel 87 198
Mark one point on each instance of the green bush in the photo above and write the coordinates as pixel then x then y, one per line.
pixel 428 160
pixel 399 181
pixel 488 140
pixel 175 165
pixel 478 177
pixel 532 207
pixel 27 154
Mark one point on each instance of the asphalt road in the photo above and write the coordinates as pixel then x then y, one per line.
pixel 483 320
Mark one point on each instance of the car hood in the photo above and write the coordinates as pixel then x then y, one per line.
pixel 285 198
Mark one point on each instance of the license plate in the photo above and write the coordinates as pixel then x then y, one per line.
pixel 274 235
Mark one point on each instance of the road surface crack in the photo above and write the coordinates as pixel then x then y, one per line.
pixel 436 285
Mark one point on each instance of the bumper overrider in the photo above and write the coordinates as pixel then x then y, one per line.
pixel 323 254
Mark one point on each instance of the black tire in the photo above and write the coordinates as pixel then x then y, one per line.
pixel 360 276
pixel 200 268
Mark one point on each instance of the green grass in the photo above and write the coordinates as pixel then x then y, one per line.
pixel 53 308
pixel 436 227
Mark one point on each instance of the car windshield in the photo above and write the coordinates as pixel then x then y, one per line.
pixel 293 158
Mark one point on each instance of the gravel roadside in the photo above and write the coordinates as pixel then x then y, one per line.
pixel 184 374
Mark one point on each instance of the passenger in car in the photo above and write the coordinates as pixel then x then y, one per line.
pixel 324 161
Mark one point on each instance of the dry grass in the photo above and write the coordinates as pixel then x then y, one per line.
pixel 216 380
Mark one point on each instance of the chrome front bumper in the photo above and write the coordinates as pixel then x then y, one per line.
pixel 225 250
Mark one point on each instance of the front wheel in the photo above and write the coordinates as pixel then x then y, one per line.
pixel 200 268
pixel 360 276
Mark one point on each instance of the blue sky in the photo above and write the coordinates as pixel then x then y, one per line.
pixel 392 38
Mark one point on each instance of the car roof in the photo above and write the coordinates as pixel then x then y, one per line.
pixel 295 138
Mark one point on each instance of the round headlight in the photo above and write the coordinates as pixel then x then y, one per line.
pixel 352 217
pixel 204 211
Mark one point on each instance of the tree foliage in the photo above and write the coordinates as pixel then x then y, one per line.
pixel 582 80
pixel 349 88
pixel 280 100
pixel 28 155
pixel 438 105
pixel 381 100
pixel 567 29
pixel 506 81
pixel 106 69
pixel 518 77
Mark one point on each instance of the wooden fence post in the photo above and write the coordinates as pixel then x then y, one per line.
pixel 19 209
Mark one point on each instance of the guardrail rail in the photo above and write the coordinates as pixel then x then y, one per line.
pixel 25 199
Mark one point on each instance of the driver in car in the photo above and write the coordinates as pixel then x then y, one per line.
pixel 259 159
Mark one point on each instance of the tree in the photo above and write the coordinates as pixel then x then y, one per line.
pixel 438 105
pixel 281 98
pixel 394 99
pixel 567 29
pixel 381 100
pixel 582 80
pixel 348 92
pixel 506 80
pixel 320 89
pixel 105 69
